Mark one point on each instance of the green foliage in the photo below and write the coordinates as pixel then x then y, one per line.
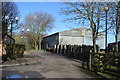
pixel 105 63
pixel 14 51
pixel 28 47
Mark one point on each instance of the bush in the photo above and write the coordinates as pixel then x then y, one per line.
pixel 14 51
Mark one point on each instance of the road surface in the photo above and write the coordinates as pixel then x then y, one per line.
pixel 50 66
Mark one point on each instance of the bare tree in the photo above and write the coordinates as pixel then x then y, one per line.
pixel 38 23
pixel 116 24
pixel 92 13
pixel 8 9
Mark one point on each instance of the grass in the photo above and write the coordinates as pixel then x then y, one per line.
pixel 101 72
pixel 89 72
pixel 27 47
pixel 109 72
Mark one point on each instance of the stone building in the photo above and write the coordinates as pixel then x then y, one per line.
pixel 77 36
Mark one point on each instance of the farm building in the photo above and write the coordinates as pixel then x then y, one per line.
pixel 111 46
pixel 77 36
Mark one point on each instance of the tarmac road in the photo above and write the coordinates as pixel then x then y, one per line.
pixel 50 66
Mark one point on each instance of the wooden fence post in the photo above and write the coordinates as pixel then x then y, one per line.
pixel 65 48
pixel 69 50
pixel 57 49
pixel 87 60
pixel 54 49
pixel 61 47
pixel 90 60
pixel 71 53
pixel 79 52
pixel 82 56
pixel 75 51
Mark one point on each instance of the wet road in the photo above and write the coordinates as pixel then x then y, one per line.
pixel 50 66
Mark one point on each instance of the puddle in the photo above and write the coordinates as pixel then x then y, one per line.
pixel 16 74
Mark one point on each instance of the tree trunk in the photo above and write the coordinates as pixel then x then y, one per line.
pixel 116 35
pixel 93 26
pixel 40 45
pixel 36 45
pixel 116 38
pixel 3 45
pixel 39 42
pixel 94 45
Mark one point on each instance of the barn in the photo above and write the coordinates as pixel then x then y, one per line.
pixel 78 36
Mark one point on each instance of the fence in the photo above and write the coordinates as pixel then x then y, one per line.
pixel 75 51
pixel 94 61
pixel 107 63
pixel 14 51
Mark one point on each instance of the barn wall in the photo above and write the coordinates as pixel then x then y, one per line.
pixel 50 41
pixel 66 40
pixel 88 40
pixel 101 42
pixel 72 37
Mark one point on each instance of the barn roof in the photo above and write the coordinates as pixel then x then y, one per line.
pixel 50 35
pixel 72 32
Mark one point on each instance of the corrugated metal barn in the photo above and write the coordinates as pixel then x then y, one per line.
pixel 77 36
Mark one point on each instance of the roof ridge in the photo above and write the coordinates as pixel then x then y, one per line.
pixel 75 29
